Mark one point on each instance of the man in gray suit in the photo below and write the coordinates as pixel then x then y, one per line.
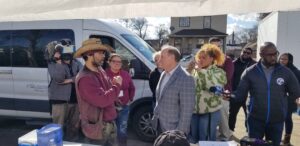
pixel 175 98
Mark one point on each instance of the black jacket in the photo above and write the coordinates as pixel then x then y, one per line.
pixel 268 101
pixel 291 102
pixel 153 81
pixel 239 67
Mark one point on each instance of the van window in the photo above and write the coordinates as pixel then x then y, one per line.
pixel 29 45
pixel 140 45
pixel 129 60
pixel 126 55
pixel 5 43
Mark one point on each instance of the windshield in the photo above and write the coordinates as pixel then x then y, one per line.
pixel 140 45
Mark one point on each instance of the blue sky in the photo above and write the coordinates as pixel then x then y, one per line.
pixel 235 22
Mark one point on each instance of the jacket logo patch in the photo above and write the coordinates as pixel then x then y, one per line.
pixel 280 81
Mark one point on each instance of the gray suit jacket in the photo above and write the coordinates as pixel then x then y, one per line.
pixel 175 103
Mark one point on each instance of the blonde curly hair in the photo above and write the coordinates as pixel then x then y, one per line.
pixel 213 51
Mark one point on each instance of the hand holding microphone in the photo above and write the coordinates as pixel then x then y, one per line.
pixel 218 90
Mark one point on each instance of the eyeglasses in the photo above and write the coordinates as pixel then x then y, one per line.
pixel 245 52
pixel 116 61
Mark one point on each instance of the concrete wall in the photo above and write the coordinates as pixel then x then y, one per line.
pixel 267 31
pixel 283 29
pixel 289 34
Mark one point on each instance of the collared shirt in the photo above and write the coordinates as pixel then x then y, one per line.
pixel 267 71
pixel 166 78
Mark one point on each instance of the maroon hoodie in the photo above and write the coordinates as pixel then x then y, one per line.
pixel 127 85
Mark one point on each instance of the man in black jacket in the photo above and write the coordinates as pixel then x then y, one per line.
pixel 240 64
pixel 268 83
pixel 154 77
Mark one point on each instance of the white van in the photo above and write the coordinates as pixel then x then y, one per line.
pixel 24 77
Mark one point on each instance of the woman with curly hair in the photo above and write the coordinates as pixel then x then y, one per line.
pixel 207 74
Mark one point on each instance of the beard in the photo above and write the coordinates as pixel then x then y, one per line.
pixel 247 59
pixel 97 64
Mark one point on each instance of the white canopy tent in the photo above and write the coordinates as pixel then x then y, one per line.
pixel 25 10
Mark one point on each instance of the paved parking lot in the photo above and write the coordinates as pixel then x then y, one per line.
pixel 240 129
pixel 11 129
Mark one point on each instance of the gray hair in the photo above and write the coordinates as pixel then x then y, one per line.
pixel 155 54
pixel 172 50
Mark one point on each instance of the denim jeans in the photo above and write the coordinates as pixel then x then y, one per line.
pixel 200 129
pixel 259 129
pixel 121 122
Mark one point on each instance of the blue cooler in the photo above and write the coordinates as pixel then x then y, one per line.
pixel 50 135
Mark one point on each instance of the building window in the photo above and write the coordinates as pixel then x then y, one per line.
pixel 184 22
pixel 207 22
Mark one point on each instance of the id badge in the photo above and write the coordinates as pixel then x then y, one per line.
pixel 121 93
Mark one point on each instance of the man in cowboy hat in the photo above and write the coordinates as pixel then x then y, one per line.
pixel 96 94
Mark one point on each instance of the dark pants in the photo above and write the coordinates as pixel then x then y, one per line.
pixel 288 123
pixel 234 109
pixel 259 129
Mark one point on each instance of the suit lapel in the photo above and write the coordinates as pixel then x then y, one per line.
pixel 158 85
pixel 171 80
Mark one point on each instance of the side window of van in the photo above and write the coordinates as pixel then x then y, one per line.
pixel 130 62
pixel 29 45
pixel 5 42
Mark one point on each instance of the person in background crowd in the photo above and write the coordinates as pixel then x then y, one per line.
pixel 240 64
pixel 171 138
pixel 175 94
pixel 154 76
pixel 270 80
pixel 228 67
pixel 125 97
pixel 110 50
pixel 59 89
pixel 286 59
pixel 206 114
pixel 96 94
pixel 72 112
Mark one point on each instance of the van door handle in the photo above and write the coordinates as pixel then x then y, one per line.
pixel 5 72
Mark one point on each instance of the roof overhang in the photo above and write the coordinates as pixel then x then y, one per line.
pixel 26 10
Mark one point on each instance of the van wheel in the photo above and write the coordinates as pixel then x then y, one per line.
pixel 142 124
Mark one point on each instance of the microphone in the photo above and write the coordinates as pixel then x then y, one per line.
pixel 218 90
